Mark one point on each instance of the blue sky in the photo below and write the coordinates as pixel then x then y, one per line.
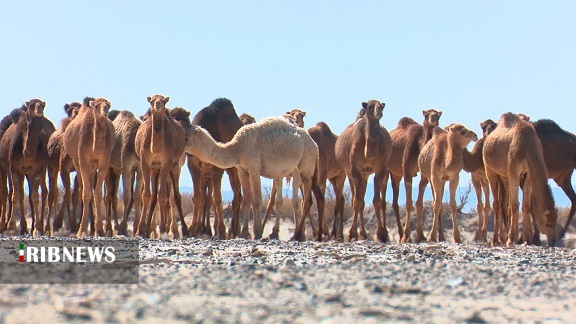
pixel 471 59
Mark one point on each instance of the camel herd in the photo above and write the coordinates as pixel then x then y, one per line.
pixel 105 146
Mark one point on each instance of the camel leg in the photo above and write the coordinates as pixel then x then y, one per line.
pixel 358 200
pixel 87 179
pixel 137 198
pixel 271 203
pixel 246 201
pixel 527 233
pixel 101 174
pixel 110 199
pixel 486 189
pixel 178 201
pixel 566 185
pixel 199 195
pixel 3 200
pixel 37 221
pixel 217 175
pixel 514 184
pixel 409 205
pixel 395 184
pixel 419 210
pixel 236 201
pixel 52 198
pixel 256 204
pixel 143 226
pixel 494 185
pixel 296 181
pixel 338 186
pixel 438 189
pixel 42 209
pixel 18 199
pixel 453 186
pixel 127 197
pixel 381 230
pixel 479 208
pixel 277 190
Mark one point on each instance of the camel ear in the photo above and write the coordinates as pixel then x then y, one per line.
pixel 149 99
pixel 188 113
pixel 304 113
pixel 26 105
pixel 424 113
pixel 365 105
pixel 440 113
pixel 451 128
pixel 167 99
pixel 44 103
pixel 287 113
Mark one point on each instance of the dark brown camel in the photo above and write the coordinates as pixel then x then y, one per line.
pixel 364 148
pixel 23 155
pixel 559 149
pixel 159 145
pixel 408 139
pixel 222 122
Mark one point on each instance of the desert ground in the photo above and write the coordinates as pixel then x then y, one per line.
pixel 204 280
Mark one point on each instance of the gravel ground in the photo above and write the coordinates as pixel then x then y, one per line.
pixel 239 280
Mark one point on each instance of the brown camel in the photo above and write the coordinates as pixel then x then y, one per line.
pixel 513 152
pixel 408 139
pixel 441 160
pixel 159 145
pixel 247 119
pixel 89 141
pixel 363 148
pixel 55 151
pixel 474 164
pixel 125 164
pixel 222 122
pixel 23 155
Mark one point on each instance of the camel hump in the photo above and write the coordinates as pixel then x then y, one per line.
pixel 546 126
pixel 404 122
pixel 221 102
pixel 324 128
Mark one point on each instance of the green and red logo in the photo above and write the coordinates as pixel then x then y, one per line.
pixel 21 252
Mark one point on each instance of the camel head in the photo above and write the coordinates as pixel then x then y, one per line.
pixel 33 127
pixel 158 104
pixel 101 106
pixel 182 116
pixel 296 116
pixel 71 109
pixel 112 114
pixel 34 107
pixel 196 139
pixel 523 116
pixel 462 134
pixel 432 116
pixel 547 224
pixel 487 126
pixel 374 109
pixel 247 119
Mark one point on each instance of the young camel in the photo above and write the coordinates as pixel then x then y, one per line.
pixel 363 148
pixel 159 145
pixel 474 164
pixel 23 155
pixel 513 152
pixel 89 141
pixel 441 161
pixel 272 148
pixel 408 139
pixel 55 151
pixel 125 164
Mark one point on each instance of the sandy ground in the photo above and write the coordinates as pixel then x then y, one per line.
pixel 203 280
